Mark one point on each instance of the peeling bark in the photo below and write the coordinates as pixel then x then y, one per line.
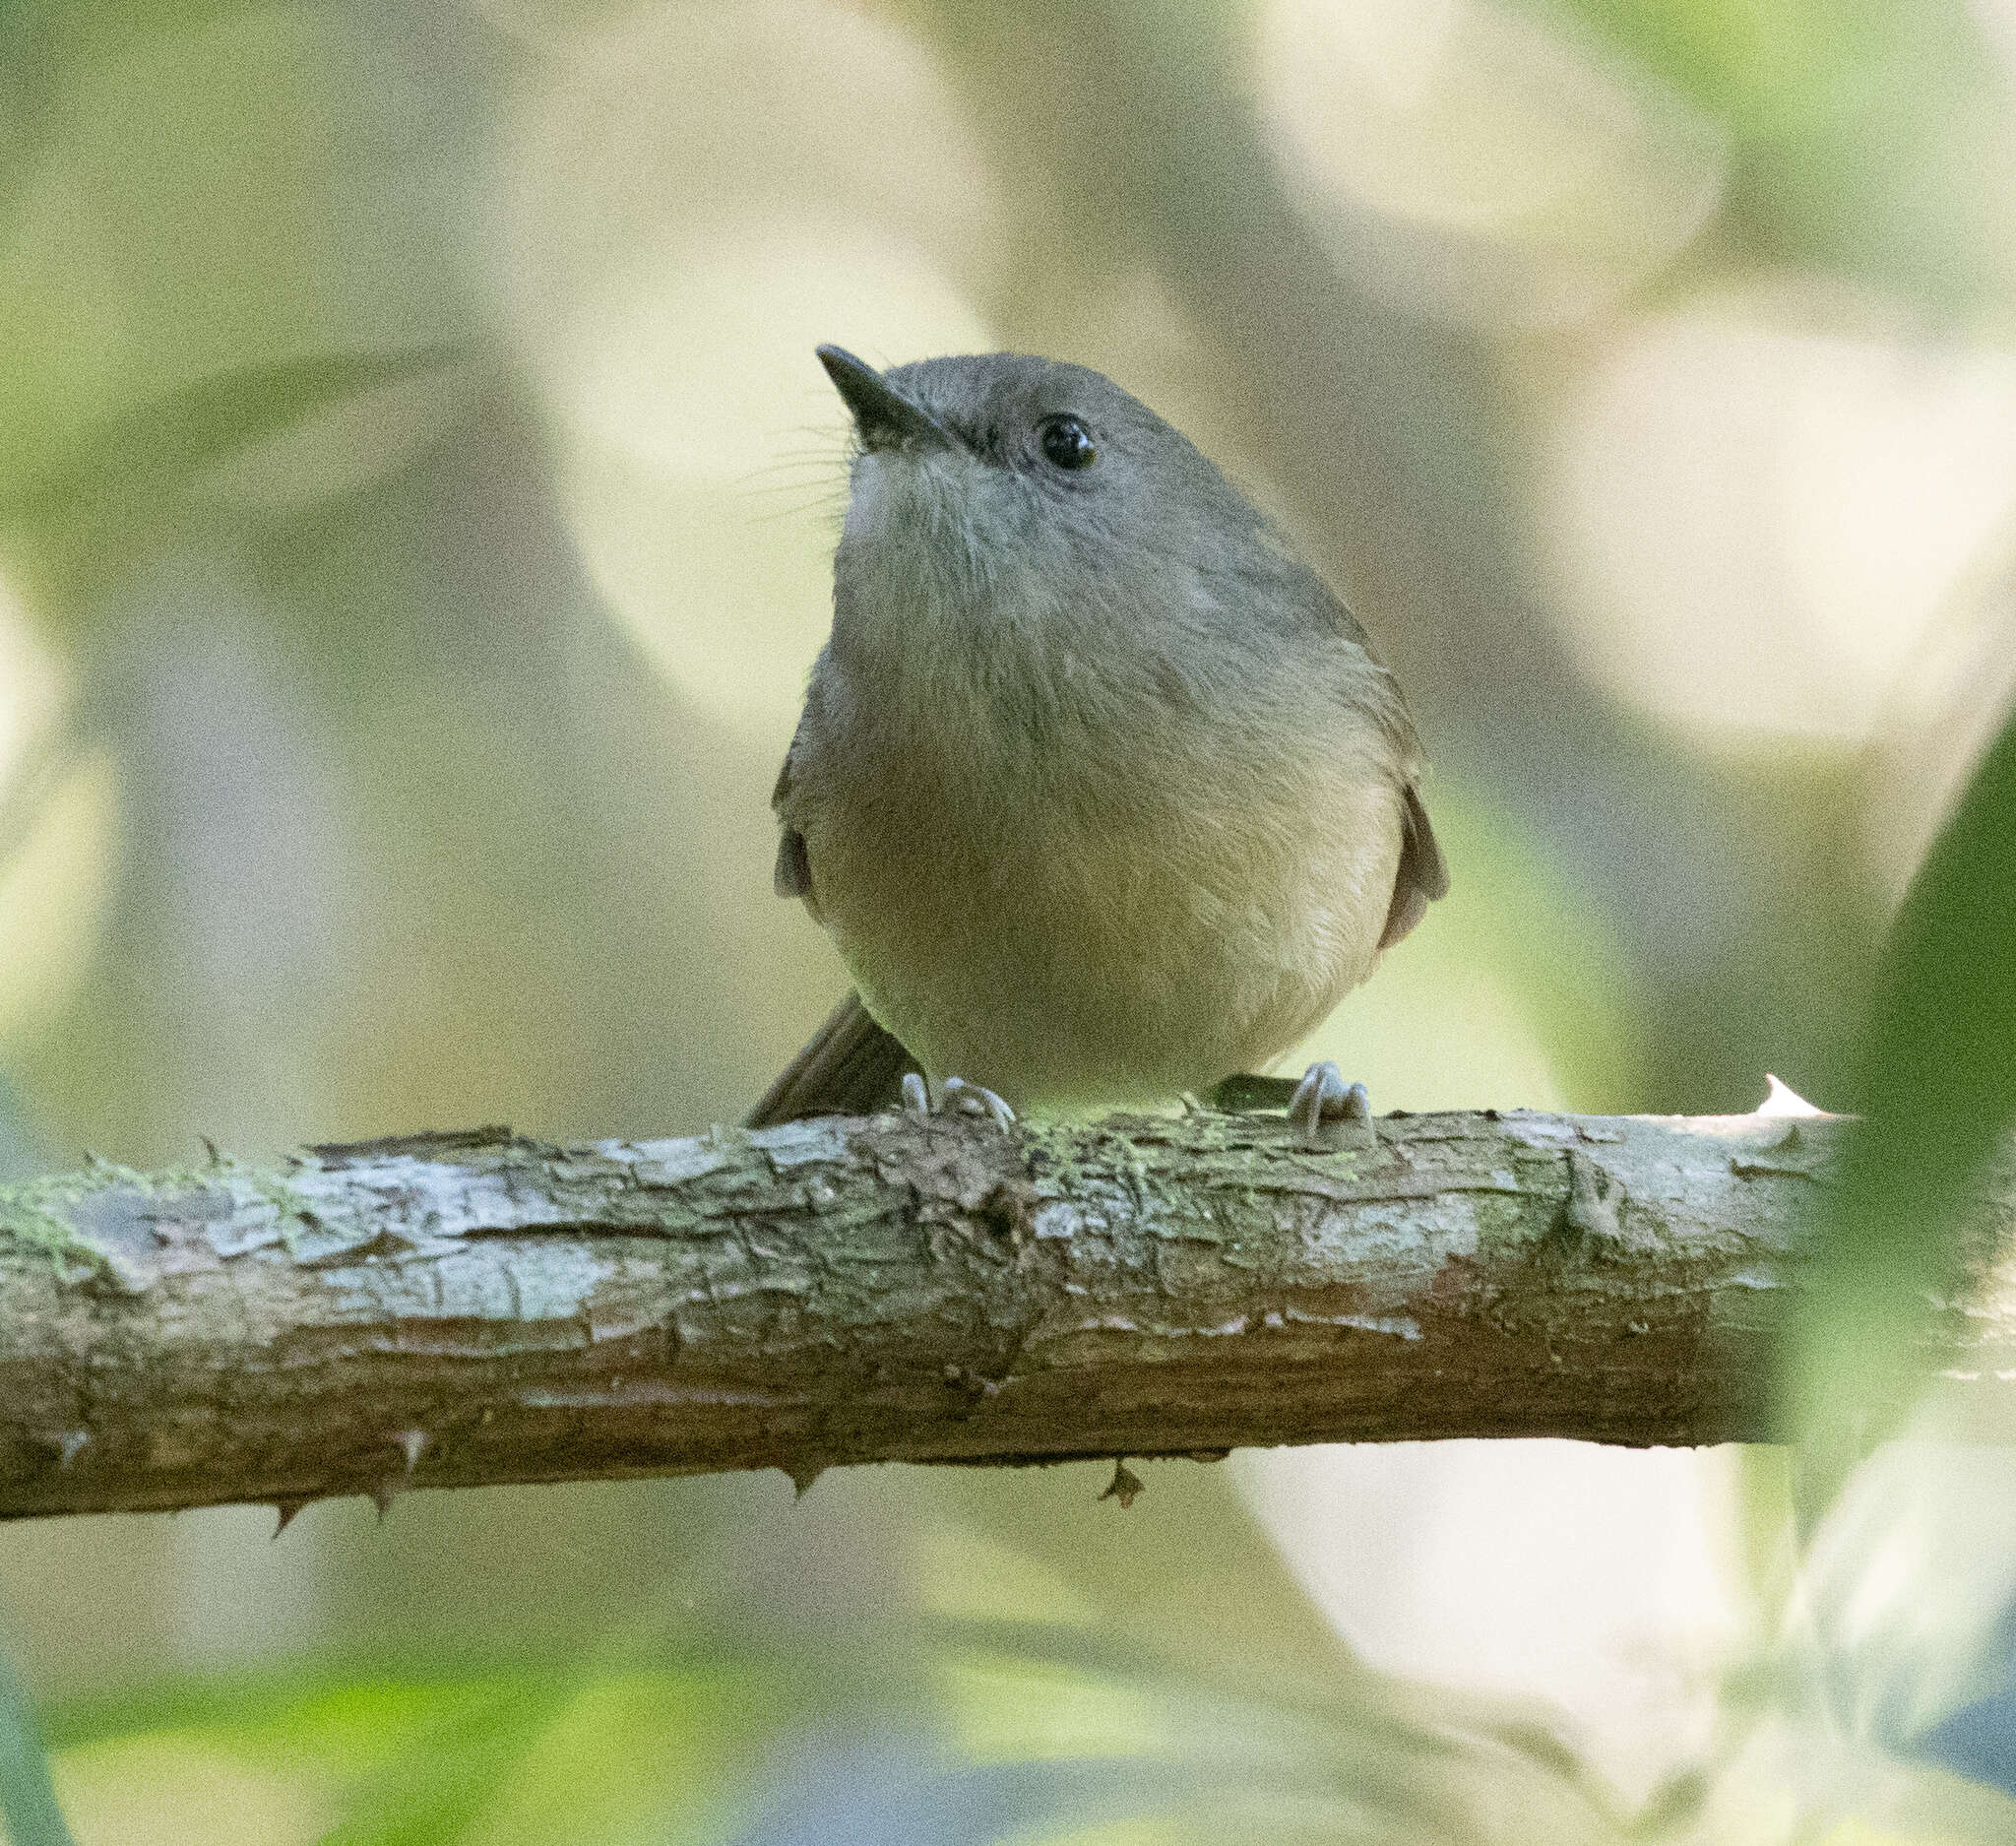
pixel 447 1310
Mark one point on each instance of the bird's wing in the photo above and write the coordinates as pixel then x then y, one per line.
pixel 850 1066
pixel 1423 875
pixel 793 876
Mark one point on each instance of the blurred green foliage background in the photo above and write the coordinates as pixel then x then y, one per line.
pixel 416 498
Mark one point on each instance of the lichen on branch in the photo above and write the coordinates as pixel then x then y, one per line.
pixel 464 1309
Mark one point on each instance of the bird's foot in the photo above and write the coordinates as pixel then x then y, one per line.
pixel 1324 1096
pixel 956 1096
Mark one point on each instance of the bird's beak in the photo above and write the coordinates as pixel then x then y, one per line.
pixel 884 418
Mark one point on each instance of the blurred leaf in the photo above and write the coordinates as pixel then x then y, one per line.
pixel 169 438
pixel 1937 1087
pixel 1765 68
pixel 433 1792
pixel 27 1804
pixel 357 1725
pixel 127 470
pixel 991 1731
pixel 1872 137
pixel 567 1752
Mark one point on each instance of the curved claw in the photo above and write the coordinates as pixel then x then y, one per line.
pixel 955 1094
pixel 973 1098
pixel 1324 1096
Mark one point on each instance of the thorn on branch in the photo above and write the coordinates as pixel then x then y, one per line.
pixel 1125 1485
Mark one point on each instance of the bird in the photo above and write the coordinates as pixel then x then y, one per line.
pixel 1101 791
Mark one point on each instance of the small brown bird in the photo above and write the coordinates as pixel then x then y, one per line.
pixel 1098 789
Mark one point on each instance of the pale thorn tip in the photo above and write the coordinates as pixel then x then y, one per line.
pixel 1781 1099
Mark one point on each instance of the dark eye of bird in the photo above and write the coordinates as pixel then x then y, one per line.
pixel 1067 443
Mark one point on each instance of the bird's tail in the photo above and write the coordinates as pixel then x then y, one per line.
pixel 850 1068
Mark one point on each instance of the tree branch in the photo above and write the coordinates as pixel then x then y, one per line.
pixel 447 1310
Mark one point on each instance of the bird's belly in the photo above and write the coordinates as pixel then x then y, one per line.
pixel 1070 956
